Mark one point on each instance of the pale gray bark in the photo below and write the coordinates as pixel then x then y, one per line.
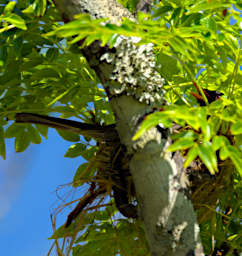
pixel 144 5
pixel 134 88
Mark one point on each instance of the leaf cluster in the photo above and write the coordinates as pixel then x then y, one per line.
pixel 202 47
pixel 43 75
pixel 195 42
pixel 103 233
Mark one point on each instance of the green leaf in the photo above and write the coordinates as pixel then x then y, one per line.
pixel 52 53
pixel 69 136
pixel 182 143
pixel 29 9
pixel 192 154
pixel 78 175
pixel 34 135
pixel 218 142
pixel 236 156
pixel 236 128
pixel 169 65
pixel 208 156
pixel 228 114
pixel 232 237
pixel 77 250
pixel 176 14
pixel 212 24
pixel 201 7
pixel 104 215
pixel 75 150
pixel 45 73
pixel 89 152
pixel 16 20
pixel 185 134
pixel 108 213
pixel 9 8
pixel 43 130
pixel 22 141
pixel 113 40
pixel 62 231
pixel 162 10
pixel 214 122
pixel 3 54
pixel 78 224
pixel 224 153
pixel 215 105
pixel 149 122
pixel 2 144
pixel 13 130
pixel 40 7
pixel 221 37
pixel 205 127
pixel 31 62
pixel 206 130
pixel 70 29
pixel 96 239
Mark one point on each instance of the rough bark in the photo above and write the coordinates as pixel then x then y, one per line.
pixel 134 88
pixel 144 5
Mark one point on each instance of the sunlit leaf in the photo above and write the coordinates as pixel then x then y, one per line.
pixel 236 128
pixel 75 150
pixel 9 8
pixel 212 24
pixel 186 134
pixel 15 20
pixel 218 142
pixel 169 65
pixel 182 143
pixel 236 157
pixel 208 156
pixel 224 153
pixel 191 155
pixel 151 121
pixel 207 5
pixel 162 10
pixel 40 7
pixel 29 9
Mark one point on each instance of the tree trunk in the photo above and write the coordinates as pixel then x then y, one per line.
pixel 134 88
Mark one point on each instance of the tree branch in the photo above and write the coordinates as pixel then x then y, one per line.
pixel 94 131
pixel 144 6
pixel 134 87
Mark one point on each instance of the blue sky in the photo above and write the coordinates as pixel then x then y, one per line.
pixel 28 182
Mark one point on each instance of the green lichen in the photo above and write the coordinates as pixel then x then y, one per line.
pixel 134 71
